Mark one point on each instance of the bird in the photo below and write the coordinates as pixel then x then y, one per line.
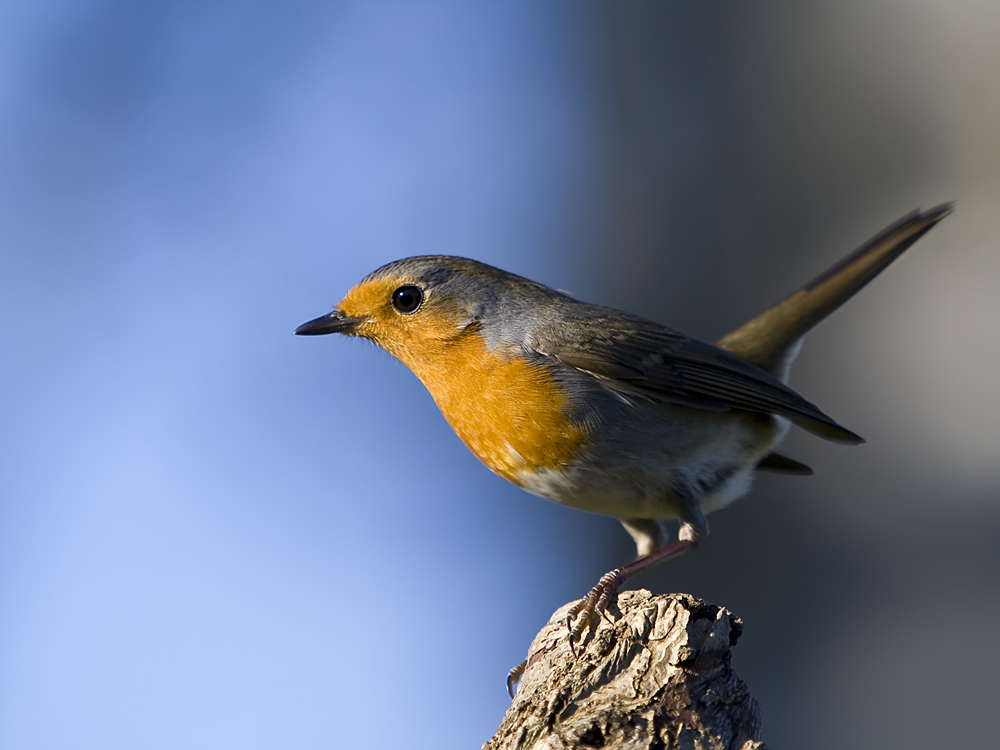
pixel 601 410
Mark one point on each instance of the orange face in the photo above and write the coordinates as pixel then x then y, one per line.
pixel 511 413
pixel 408 337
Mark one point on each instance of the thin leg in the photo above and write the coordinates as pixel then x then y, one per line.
pixel 596 600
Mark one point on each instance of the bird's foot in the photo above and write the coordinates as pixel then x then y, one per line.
pixel 594 604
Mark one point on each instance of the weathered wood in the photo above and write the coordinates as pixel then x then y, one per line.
pixel 659 676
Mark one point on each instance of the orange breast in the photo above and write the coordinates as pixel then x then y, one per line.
pixel 512 415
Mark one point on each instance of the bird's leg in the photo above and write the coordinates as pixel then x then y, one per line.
pixel 650 540
pixel 597 599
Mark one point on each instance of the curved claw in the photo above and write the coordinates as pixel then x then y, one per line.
pixel 569 626
pixel 514 676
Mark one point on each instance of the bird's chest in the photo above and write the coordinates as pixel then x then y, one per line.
pixel 512 414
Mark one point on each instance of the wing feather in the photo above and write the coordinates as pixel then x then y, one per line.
pixel 659 363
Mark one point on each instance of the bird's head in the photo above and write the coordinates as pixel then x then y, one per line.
pixel 419 309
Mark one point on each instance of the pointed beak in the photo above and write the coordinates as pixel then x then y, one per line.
pixel 335 322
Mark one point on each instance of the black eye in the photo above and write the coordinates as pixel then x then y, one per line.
pixel 407 298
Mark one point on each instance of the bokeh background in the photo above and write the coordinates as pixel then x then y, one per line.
pixel 216 534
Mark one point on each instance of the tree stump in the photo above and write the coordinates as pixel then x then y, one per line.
pixel 658 676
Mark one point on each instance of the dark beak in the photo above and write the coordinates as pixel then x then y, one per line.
pixel 335 322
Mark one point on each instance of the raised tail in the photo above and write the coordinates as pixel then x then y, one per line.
pixel 771 340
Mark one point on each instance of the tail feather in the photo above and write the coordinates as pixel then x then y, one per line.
pixel 771 339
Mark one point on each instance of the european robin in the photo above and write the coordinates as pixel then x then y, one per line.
pixel 602 410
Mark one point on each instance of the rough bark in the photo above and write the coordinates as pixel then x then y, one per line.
pixel 658 676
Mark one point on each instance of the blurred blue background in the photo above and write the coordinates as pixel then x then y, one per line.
pixel 215 533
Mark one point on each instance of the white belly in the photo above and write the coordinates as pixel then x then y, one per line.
pixel 711 459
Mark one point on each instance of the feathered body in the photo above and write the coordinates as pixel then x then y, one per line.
pixel 599 409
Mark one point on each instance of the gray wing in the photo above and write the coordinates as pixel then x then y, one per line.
pixel 661 364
